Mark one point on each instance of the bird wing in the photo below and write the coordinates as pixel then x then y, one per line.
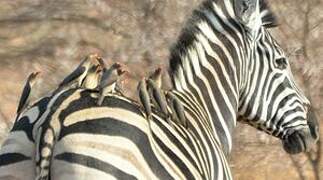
pixel 144 96
pixel 24 97
pixel 109 77
pixel 159 98
pixel 179 109
pixel 74 75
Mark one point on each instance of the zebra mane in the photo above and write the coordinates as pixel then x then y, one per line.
pixel 190 29
pixel 185 40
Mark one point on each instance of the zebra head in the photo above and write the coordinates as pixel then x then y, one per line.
pixel 269 98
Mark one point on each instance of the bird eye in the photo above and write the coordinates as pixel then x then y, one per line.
pixel 281 63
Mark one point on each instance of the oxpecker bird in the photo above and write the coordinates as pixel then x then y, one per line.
pixel 158 98
pixel 144 97
pixel 177 108
pixel 25 96
pixel 92 78
pixel 156 76
pixel 79 74
pixel 109 80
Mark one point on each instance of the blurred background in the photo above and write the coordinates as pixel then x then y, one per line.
pixel 53 35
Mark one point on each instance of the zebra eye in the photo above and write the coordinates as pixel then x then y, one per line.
pixel 281 63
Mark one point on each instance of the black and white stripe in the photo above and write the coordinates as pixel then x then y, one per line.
pixel 222 68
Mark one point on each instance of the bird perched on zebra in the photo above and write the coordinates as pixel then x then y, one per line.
pixel 156 77
pixel 77 77
pixel 110 81
pixel 156 93
pixel 150 92
pixel 92 78
pixel 144 97
pixel 28 88
pixel 158 98
pixel 224 65
pixel 177 109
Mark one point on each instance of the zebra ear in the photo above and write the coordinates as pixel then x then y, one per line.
pixel 268 18
pixel 248 13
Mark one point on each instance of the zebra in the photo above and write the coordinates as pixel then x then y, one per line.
pixel 224 66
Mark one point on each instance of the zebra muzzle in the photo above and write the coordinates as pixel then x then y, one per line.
pixel 299 141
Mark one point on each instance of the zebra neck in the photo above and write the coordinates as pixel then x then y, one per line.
pixel 206 65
